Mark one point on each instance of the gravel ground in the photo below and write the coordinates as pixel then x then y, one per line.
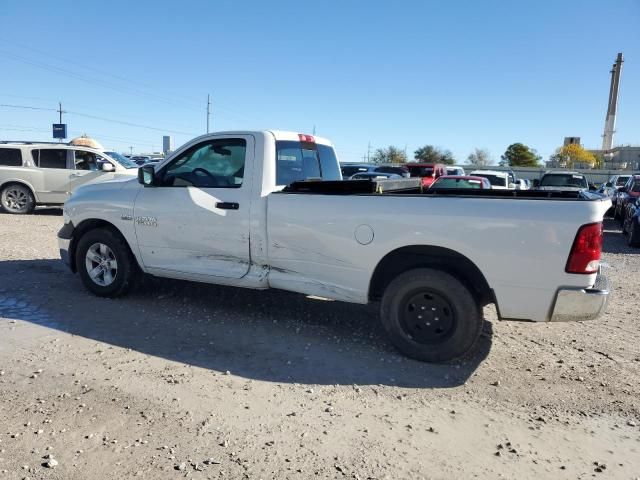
pixel 187 380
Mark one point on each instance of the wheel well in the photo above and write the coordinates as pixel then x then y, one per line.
pixel 439 258
pixel 17 182
pixel 85 226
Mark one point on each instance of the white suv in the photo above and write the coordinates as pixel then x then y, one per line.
pixel 46 173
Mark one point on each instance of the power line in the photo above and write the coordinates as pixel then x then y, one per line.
pixel 95 117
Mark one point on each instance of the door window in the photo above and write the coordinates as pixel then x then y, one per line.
pixel 85 160
pixel 50 158
pixel 211 164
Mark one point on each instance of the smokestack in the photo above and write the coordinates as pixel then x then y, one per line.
pixel 610 120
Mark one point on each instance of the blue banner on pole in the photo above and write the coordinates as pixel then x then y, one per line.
pixel 59 130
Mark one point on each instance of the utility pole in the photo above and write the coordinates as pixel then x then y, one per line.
pixel 368 152
pixel 314 130
pixel 130 150
pixel 60 112
pixel 208 110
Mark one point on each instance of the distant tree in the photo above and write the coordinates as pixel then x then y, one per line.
pixel 519 155
pixel 432 154
pixel 390 154
pixel 573 156
pixel 480 157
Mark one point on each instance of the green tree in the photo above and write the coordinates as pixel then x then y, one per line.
pixel 519 155
pixel 390 154
pixel 432 154
pixel 480 157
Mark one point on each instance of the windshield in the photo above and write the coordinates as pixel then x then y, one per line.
pixel 348 170
pixel 564 180
pixel 122 160
pixel 620 182
pixel 494 180
pixel 444 182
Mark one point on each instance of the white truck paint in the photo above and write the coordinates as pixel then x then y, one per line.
pixel 343 247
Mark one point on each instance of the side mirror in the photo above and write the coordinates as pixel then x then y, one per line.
pixel 107 167
pixel 592 187
pixel 536 182
pixel 147 176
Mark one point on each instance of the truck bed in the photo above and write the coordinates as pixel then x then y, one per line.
pixel 412 187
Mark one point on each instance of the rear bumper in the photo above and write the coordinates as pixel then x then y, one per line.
pixel 576 304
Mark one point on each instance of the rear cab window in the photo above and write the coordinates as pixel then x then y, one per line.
pixel 298 161
pixel 10 157
pixel 564 180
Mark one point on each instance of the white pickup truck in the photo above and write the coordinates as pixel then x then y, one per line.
pixel 268 209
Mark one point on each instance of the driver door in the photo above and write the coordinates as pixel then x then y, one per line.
pixel 197 221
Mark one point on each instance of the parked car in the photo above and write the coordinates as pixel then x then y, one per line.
pixel 375 175
pixel 282 218
pixel 563 181
pixel 428 172
pixel 400 170
pixel 140 159
pixel 460 181
pixel 523 184
pixel 34 174
pixel 631 223
pixel 455 170
pixel 617 181
pixel 350 169
pixel 629 193
pixel 499 180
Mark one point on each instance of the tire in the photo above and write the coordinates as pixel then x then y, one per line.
pixel 17 199
pixel 624 225
pixel 454 318
pixel 634 234
pixel 107 256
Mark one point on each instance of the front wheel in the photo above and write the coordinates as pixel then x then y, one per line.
pixel 430 315
pixel 105 263
pixel 17 199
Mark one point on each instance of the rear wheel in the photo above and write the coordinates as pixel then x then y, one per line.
pixel 105 263
pixel 430 315
pixel 17 199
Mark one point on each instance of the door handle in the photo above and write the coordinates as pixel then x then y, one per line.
pixel 228 205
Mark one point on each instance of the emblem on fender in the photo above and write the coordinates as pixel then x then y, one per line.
pixel 147 221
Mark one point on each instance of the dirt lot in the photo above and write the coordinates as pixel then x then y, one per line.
pixel 188 380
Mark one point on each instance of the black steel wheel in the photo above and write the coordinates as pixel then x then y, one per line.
pixel 430 315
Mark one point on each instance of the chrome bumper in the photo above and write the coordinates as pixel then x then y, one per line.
pixel 575 304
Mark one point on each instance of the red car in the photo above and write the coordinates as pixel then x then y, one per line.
pixel 461 181
pixel 429 172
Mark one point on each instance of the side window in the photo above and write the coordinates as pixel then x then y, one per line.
pixel 636 186
pixel 10 157
pixel 50 158
pixel 85 160
pixel 295 163
pixel 211 164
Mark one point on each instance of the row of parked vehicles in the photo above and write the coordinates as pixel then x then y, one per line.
pixel 624 191
pixel 442 176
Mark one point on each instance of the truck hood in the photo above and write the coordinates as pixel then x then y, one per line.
pixel 118 182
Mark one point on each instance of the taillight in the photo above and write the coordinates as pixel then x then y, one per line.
pixel 586 250
pixel 306 138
